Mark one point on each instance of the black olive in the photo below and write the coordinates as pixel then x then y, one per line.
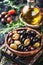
pixel 36 39
pixel 33 33
pixel 20 47
pixel 3 21
pixel 27 34
pixel 25 49
pixel 23 39
pixel 21 31
pixel 30 48
pixel 31 38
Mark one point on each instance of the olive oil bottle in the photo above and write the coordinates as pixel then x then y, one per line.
pixel 31 13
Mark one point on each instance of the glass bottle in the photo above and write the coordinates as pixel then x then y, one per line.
pixel 31 13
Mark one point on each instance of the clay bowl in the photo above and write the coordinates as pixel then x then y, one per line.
pixel 19 53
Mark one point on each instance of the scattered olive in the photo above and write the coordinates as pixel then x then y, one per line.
pixel 15 36
pixel 27 42
pixel 0 16
pixel 13 46
pixel 30 48
pixel 6 16
pixel 37 44
pixel 4 13
pixel 3 21
pixel 17 42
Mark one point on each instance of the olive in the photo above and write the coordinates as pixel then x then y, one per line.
pixel 14 31
pixel 30 48
pixel 15 36
pixel 25 49
pixel 0 16
pixel 31 38
pixel 3 21
pixel 3 13
pixel 36 39
pixel 13 46
pixel 7 15
pixel 27 34
pixel 20 47
pixel 10 34
pixel 27 42
pixel 38 36
pixel 21 32
pixel 17 42
pixel 37 44
pixel 9 39
pixel 21 37
pixel 33 33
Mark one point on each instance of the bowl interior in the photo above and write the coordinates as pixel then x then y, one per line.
pixel 20 53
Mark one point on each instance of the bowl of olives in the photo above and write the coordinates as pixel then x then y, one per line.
pixel 23 41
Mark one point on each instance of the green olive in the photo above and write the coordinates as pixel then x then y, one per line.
pixel 13 46
pixel 37 44
pixel 15 36
pixel 27 42
pixel 17 42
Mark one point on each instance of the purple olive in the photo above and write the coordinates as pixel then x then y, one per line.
pixel 33 33
pixel 0 16
pixel 36 39
pixel 30 48
pixel 25 49
pixel 3 21
pixel 10 34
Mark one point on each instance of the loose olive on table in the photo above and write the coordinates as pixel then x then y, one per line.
pixel 24 40
pixel 7 17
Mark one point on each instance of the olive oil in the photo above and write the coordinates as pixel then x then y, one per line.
pixel 31 13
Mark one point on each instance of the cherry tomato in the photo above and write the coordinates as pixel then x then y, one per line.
pixel 9 19
pixel 11 12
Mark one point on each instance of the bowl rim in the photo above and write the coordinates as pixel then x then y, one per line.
pixel 20 52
